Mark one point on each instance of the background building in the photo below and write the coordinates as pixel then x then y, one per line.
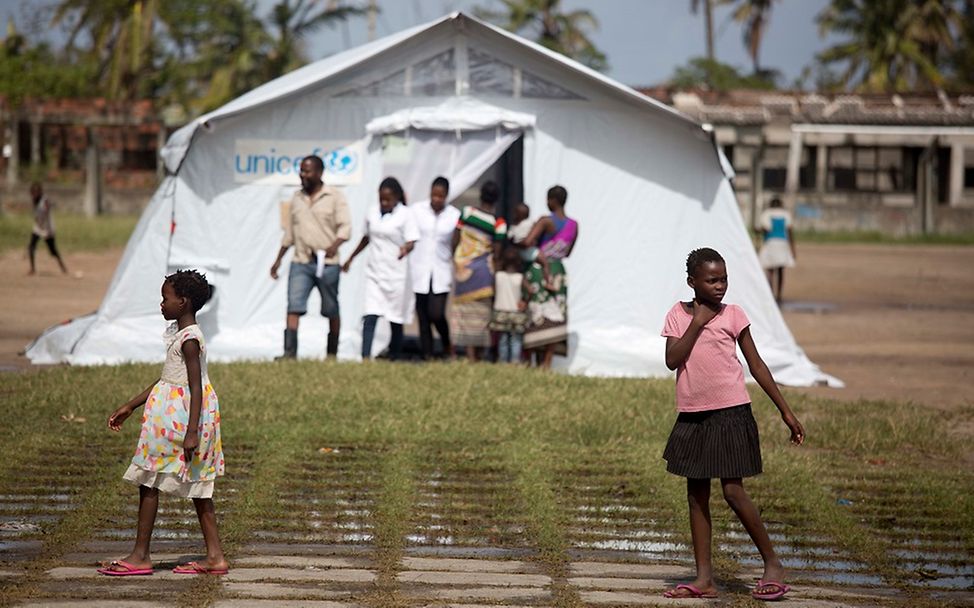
pixel 899 164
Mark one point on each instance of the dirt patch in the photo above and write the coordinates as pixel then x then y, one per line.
pixel 903 322
pixel 30 304
pixel 901 327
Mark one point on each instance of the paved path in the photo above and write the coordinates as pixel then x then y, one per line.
pixel 273 575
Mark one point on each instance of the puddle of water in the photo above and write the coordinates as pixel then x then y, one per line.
pixel 952 582
pixel 608 509
pixel 777 537
pixel 919 542
pixel 630 545
pixel 470 552
pixel 353 525
pixel 844 578
pixel 637 534
pixel 940 568
pixel 806 564
pixel 18 545
pixel 800 551
pixel 931 556
pixel 422 539
pixel 293 537
pixel 39 498
pixel 19 528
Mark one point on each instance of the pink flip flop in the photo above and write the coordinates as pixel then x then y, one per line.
pixel 692 593
pixel 195 568
pixel 127 569
pixel 779 591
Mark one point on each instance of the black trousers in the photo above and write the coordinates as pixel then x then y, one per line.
pixel 430 312
pixel 50 247
pixel 33 247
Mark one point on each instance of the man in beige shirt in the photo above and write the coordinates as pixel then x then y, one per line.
pixel 316 224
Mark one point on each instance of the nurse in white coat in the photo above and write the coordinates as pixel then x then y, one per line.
pixel 392 232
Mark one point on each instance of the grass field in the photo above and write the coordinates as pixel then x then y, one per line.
pixel 397 456
pixel 80 233
pixel 74 232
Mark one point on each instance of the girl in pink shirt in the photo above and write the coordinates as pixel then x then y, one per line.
pixel 715 434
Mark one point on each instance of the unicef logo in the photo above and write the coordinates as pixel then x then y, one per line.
pixel 341 162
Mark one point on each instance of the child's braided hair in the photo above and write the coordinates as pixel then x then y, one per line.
pixel 191 284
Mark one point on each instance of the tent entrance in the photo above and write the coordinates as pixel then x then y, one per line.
pixel 467 160
pixel 463 139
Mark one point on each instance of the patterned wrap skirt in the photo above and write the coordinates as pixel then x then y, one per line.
pixel 468 323
pixel 720 444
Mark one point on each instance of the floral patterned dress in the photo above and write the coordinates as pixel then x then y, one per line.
pixel 159 459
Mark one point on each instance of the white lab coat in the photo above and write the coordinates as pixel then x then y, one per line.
pixel 387 288
pixel 431 261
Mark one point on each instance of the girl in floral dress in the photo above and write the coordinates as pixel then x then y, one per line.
pixel 179 450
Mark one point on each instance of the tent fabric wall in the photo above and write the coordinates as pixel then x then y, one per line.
pixel 644 182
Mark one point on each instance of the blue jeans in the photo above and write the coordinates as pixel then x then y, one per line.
pixel 509 346
pixel 301 280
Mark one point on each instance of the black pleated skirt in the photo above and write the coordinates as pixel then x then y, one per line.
pixel 720 444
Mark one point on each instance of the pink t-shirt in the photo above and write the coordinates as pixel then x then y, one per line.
pixel 711 378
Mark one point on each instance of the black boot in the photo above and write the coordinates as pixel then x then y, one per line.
pixel 290 345
pixel 332 349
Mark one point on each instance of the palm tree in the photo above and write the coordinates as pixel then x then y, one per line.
pixel 562 32
pixel 962 60
pixel 708 13
pixel 229 54
pixel 891 45
pixel 754 14
pixel 292 21
pixel 122 39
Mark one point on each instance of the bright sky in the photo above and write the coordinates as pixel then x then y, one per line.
pixel 645 40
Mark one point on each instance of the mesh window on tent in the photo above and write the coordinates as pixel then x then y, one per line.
pixel 434 77
pixel 392 85
pixel 489 75
pixel 539 88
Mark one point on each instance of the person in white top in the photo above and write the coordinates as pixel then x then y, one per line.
pixel 509 317
pixel 778 249
pixel 391 230
pixel 43 228
pixel 431 265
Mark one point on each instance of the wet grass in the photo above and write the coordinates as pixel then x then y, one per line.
pixel 396 458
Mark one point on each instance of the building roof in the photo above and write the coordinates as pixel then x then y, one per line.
pixel 749 107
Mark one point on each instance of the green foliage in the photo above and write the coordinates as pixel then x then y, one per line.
pixel 890 45
pixel 713 75
pixel 754 15
pixel 549 25
pixel 962 59
pixel 183 53
pixel 34 71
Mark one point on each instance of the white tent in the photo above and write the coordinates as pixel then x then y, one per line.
pixel 448 97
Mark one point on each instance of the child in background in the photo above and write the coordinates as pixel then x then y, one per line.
pixel 778 249
pixel 528 250
pixel 715 435
pixel 179 449
pixel 509 318
pixel 520 228
pixel 43 228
